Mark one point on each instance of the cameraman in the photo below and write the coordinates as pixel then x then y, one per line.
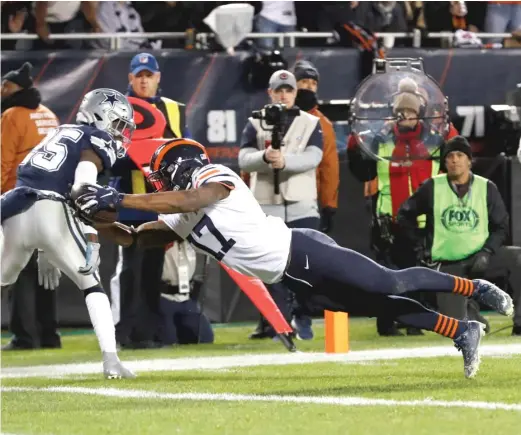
pixel 296 162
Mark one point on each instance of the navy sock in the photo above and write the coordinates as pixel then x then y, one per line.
pixel 423 279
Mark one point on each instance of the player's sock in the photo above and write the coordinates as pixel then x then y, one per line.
pixel 100 315
pixel 423 279
pixel 438 323
pixel 412 313
pixel 463 286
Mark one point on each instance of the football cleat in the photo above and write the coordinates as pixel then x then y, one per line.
pixel 113 369
pixel 492 296
pixel 468 343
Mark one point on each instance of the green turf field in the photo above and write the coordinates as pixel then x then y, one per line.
pixel 365 392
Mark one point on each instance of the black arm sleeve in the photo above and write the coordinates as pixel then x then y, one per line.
pixel 421 202
pixel 498 220
pixel 363 168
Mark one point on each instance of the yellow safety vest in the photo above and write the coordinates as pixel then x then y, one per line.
pixel 384 205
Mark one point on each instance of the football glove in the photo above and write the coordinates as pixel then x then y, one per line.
pixel 92 259
pixel 48 275
pixel 95 198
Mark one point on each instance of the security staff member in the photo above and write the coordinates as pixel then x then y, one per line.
pixel 328 172
pixel 297 161
pixel 182 321
pixel 25 122
pixel 135 287
pixel 466 228
pixel 392 181
pixel 328 177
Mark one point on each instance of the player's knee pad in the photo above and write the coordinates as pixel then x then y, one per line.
pixel 95 289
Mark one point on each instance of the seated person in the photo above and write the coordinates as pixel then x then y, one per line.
pixel 182 321
pixel 467 226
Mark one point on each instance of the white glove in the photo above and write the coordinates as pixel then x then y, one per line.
pixel 48 275
pixel 519 151
pixel 92 259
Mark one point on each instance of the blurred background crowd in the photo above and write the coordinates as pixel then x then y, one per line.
pixel 45 18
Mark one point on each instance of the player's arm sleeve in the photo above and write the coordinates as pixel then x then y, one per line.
pixel 328 170
pixel 104 146
pixel 310 158
pixel 498 220
pixel 419 203
pixel 251 159
pixel 10 138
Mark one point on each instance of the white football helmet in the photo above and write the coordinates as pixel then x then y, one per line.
pixel 110 111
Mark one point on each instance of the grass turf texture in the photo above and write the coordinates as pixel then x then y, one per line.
pixel 39 412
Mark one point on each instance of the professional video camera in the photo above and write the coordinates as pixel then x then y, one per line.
pixel 275 115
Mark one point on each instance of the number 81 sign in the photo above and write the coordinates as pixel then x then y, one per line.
pixel 221 126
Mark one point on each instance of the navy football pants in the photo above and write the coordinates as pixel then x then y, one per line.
pixel 325 275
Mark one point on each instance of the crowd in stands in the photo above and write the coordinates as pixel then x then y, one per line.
pixel 45 18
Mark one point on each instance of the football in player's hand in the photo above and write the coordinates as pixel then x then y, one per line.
pixel 105 217
pixel 102 216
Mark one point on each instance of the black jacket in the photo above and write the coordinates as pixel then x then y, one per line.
pixel 422 201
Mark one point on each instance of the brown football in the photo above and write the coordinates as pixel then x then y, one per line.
pixel 105 216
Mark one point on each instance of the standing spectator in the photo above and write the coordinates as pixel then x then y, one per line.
pixel 328 171
pixel 60 17
pixel 297 161
pixel 119 17
pixel 136 283
pixel 502 17
pixel 25 122
pixel 275 17
pixel 452 16
pixel 382 16
pixel 14 16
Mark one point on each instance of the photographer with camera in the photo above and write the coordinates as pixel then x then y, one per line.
pixel 281 148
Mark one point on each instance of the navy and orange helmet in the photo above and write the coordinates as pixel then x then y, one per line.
pixel 174 162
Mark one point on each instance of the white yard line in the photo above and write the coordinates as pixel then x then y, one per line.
pixel 229 397
pixel 251 360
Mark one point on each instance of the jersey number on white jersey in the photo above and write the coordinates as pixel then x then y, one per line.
pixel 50 154
pixel 221 243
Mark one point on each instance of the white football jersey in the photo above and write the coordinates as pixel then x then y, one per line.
pixel 235 230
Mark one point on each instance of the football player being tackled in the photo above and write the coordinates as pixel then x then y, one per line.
pixel 36 213
pixel 210 206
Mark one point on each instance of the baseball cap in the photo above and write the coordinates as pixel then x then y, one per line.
pixel 143 61
pixel 282 78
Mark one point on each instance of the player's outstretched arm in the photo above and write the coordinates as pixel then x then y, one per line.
pixel 91 198
pixel 148 235
pixel 177 202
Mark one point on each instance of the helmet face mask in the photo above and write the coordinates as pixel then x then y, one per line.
pixel 174 163
pixel 110 111
pixel 121 128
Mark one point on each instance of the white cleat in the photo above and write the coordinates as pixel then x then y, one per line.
pixel 114 369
